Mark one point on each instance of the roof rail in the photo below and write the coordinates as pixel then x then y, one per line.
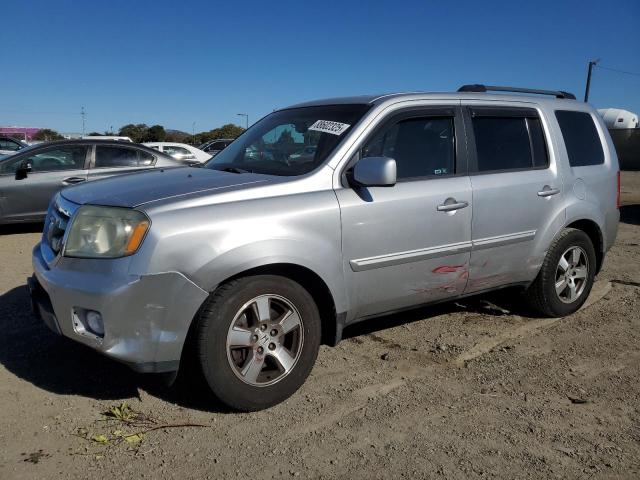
pixel 491 88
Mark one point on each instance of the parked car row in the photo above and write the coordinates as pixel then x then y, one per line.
pixel 180 151
pixel 45 168
pixel 319 216
pixel 30 177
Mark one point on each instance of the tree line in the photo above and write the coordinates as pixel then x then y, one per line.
pixel 141 133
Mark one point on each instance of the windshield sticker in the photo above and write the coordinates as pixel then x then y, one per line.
pixel 327 126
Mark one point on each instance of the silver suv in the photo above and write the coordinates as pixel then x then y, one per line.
pixel 252 261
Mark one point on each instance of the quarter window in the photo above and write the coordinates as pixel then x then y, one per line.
pixel 509 143
pixel 116 157
pixel 180 153
pixel 580 138
pixel 146 159
pixel 421 147
pixel 171 150
pixel 215 147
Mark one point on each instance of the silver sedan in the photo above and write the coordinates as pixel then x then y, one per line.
pixel 30 178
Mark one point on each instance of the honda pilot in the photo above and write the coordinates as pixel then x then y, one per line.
pixel 249 263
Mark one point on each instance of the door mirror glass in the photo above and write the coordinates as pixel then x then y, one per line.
pixel 375 172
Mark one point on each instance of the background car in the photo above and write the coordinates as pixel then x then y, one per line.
pixel 29 178
pixel 180 151
pixel 9 146
pixel 213 147
pixel 305 155
pixel 257 152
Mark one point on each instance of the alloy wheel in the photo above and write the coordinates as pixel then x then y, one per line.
pixel 571 274
pixel 265 340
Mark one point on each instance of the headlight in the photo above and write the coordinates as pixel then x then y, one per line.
pixel 105 232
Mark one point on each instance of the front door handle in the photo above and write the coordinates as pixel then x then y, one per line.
pixel 73 180
pixel 548 191
pixel 451 205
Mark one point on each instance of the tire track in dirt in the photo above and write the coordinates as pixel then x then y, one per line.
pixel 407 372
pixel 600 289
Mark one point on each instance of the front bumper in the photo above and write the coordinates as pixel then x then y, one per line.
pixel 146 318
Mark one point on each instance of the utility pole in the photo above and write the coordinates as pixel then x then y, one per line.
pixel 83 114
pixel 246 117
pixel 592 63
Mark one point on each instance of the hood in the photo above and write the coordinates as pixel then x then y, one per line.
pixel 159 184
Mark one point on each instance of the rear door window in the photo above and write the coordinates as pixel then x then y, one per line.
pixel 508 139
pixel 109 157
pixel 580 138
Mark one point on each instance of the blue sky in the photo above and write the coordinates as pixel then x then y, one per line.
pixel 176 63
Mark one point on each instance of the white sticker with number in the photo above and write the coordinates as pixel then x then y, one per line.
pixel 327 126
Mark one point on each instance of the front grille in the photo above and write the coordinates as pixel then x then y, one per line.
pixel 55 226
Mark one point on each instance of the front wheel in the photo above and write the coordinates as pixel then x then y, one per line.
pixel 566 277
pixel 258 338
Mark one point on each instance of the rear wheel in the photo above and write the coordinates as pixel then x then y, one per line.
pixel 258 338
pixel 566 277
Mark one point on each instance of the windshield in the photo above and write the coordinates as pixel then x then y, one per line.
pixel 289 142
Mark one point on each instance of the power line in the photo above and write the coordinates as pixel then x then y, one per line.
pixel 23 112
pixel 619 71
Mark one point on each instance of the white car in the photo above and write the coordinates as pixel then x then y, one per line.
pixel 180 151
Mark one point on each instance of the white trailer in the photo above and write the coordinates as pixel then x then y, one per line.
pixel 615 118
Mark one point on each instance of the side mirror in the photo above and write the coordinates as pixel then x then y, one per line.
pixel 375 172
pixel 23 169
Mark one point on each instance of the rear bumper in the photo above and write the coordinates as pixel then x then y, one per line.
pixel 146 318
pixel 612 221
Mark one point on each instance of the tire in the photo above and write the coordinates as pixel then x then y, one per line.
pixel 235 353
pixel 542 293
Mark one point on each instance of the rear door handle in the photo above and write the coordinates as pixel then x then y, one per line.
pixel 72 180
pixel 451 204
pixel 547 191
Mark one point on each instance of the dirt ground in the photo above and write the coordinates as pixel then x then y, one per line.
pixel 479 388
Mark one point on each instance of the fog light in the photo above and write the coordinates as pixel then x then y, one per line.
pixel 94 322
